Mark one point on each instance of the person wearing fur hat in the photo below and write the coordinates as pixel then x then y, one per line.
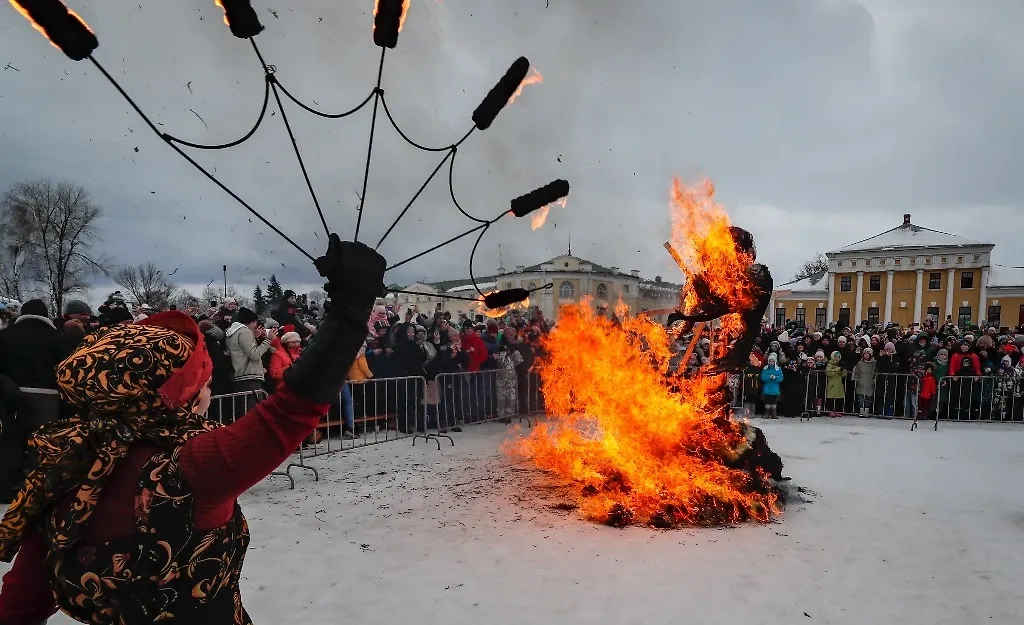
pixel 129 513
pixel 246 343
pixel 284 357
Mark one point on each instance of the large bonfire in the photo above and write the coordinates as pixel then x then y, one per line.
pixel 641 445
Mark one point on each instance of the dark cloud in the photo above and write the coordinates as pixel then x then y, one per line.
pixel 821 122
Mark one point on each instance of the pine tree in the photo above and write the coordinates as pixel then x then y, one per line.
pixel 274 291
pixel 258 301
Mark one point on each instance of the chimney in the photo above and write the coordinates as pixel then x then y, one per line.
pixel 615 270
pixel 520 268
pixel 906 219
pixel 635 273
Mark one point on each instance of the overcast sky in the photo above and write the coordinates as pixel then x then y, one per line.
pixel 820 121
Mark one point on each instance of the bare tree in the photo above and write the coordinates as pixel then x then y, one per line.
pixel 14 271
pixel 316 296
pixel 183 299
pixel 146 284
pixel 55 225
pixel 815 269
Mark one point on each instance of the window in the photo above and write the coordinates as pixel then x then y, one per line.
pixel 934 281
pixel 566 290
pixel 875 283
pixel 977 257
pixel 928 261
pixel 913 261
pixel 933 312
pixel 844 317
pixel 994 313
pixel 602 291
pixel 801 317
pixel 964 318
pixel 959 259
pixel 967 280
pixel 819 318
pixel 942 259
pixel 873 316
pixel 898 262
pixel 780 317
pixel 840 263
pixel 853 263
pixel 845 284
pixel 508 285
pixel 625 288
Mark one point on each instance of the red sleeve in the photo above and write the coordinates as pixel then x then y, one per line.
pixel 976 361
pixel 222 464
pixel 25 596
pixel 954 363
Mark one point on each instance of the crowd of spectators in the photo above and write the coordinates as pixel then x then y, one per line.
pixel 924 371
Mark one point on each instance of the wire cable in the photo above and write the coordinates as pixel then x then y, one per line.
pixel 191 161
pixel 246 137
pixel 377 93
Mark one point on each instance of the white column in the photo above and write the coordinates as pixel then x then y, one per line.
pixel 860 300
pixel 918 312
pixel 831 298
pixel 983 297
pixel 949 294
pixel 888 296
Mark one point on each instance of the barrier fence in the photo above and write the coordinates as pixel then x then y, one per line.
pixel 986 399
pixel 227 408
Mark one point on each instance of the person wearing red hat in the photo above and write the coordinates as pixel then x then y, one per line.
pixel 129 512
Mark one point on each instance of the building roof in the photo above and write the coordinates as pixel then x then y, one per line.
pixel 446 285
pixel 469 287
pixel 1001 275
pixel 805 285
pixel 908 235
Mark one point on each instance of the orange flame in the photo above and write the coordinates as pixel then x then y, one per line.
pixel 479 307
pixel 701 238
pixel 540 217
pixel 219 4
pixel 401 21
pixel 25 14
pixel 643 447
pixel 533 77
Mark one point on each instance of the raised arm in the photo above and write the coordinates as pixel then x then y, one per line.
pixel 222 464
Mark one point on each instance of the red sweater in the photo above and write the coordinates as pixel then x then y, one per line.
pixel 219 466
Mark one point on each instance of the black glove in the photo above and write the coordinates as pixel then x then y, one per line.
pixel 355 275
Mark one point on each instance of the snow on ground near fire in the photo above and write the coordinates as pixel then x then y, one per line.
pixel 903 527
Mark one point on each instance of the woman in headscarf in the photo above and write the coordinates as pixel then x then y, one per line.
pixel 129 512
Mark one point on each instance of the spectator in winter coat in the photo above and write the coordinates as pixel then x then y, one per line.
pixel 289 313
pixel 771 380
pixel 32 347
pixel 957 365
pixel 284 357
pixel 246 343
pixel 864 378
pixel 475 348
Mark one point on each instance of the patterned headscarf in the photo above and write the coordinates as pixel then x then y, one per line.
pixel 124 384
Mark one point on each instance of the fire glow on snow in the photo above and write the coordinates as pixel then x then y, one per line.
pixel 643 446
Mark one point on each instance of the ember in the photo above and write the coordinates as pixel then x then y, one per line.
pixel 643 446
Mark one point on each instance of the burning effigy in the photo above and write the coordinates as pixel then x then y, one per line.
pixel 641 444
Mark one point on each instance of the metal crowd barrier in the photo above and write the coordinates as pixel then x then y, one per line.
pixel 885 396
pixel 986 399
pixel 471 397
pixel 382 410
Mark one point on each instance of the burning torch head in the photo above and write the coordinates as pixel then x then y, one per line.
pixel 744 241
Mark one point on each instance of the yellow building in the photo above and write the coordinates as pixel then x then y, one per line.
pixel 901 276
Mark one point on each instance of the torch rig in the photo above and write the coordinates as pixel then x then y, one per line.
pixel 67 31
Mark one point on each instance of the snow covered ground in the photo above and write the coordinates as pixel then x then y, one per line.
pixel 905 528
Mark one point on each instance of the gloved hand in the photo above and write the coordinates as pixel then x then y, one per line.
pixel 355 275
